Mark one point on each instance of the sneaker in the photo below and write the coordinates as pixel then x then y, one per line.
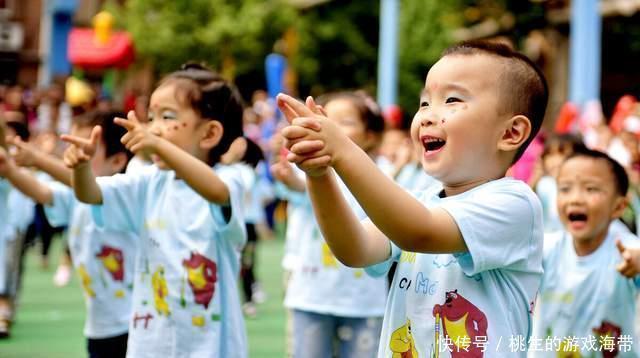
pixel 4 328
pixel 250 310
pixel 62 276
pixel 258 295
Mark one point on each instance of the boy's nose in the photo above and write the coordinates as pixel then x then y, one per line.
pixel 427 120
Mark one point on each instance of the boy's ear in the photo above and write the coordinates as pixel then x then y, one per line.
pixel 118 162
pixel 620 205
pixel 516 132
pixel 211 134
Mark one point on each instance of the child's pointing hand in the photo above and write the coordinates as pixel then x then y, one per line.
pixel 81 149
pixel 137 138
pixel 630 265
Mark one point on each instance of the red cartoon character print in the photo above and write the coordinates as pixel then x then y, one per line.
pixel 462 322
pixel 202 276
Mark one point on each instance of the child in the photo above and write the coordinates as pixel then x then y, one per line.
pixel 556 149
pixel 188 216
pixel 104 259
pixel 469 256
pixel 19 213
pixel 249 155
pixel 589 287
pixel 335 308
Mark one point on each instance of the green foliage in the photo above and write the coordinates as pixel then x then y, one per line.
pixel 236 35
pixel 425 31
pixel 337 46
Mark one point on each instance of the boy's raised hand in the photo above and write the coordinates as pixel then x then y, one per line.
pixel 138 137
pixel 630 265
pixel 25 154
pixel 6 163
pixel 81 149
pixel 314 141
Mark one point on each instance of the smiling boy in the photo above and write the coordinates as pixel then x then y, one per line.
pixel 470 253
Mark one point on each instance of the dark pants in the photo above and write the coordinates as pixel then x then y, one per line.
pixel 247 274
pixel 113 347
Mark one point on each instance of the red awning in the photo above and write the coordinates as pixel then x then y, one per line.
pixel 85 52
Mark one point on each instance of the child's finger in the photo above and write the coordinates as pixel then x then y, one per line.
pixel 77 141
pixel 307 147
pixel 620 246
pixel 316 162
pixel 94 139
pixel 309 123
pixel 299 108
pixel 126 138
pixel 314 107
pixel 288 112
pixel 127 124
pixel 131 116
pixel 294 132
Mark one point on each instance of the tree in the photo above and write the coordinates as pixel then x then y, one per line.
pixel 232 36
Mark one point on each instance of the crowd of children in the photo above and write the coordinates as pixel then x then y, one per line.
pixel 399 243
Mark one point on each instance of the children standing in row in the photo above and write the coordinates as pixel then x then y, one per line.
pixel 469 256
pixel 104 259
pixel 337 310
pixel 188 217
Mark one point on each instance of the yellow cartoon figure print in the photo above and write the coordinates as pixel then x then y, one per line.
pixel 85 280
pixel 160 291
pixel 328 260
pixel 402 344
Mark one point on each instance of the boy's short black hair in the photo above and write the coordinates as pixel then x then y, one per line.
pixel 522 83
pixel 111 132
pixel 618 171
pixel 253 155
pixel 214 98
pixel 565 143
pixel 21 129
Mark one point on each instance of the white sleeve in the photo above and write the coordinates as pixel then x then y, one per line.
pixel 501 229
pixel 61 208
pixel 123 201
pixel 234 228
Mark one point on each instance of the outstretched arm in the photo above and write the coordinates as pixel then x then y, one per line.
pixel 400 216
pixel 196 173
pixel 23 181
pixel 78 157
pixel 29 156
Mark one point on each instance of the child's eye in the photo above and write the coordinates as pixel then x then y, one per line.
pixel 453 100
pixel 592 189
pixel 167 115
pixel 563 189
pixel 424 104
pixel 150 117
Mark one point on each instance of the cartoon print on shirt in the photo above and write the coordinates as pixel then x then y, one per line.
pixel 202 277
pixel 608 332
pixel 160 291
pixel 402 344
pixel 462 322
pixel 85 280
pixel 328 260
pixel 113 261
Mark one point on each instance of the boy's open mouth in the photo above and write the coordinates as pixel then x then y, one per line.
pixel 432 144
pixel 577 220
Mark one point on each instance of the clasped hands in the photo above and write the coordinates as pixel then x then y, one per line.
pixel 314 142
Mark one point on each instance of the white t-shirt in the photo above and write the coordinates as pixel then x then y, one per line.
pixel 583 297
pixel 104 260
pixel 547 191
pixel 322 284
pixel 413 178
pixel 480 300
pixel 185 296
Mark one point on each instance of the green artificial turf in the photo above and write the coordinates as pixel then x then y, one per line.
pixel 50 319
